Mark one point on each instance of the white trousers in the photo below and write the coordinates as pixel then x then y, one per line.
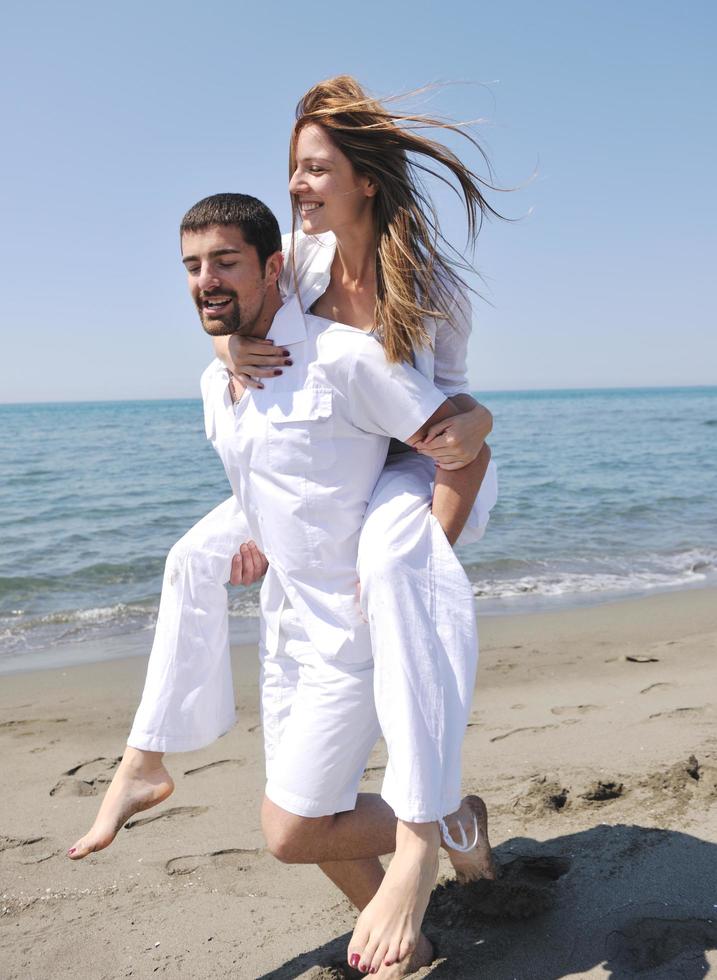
pixel 421 610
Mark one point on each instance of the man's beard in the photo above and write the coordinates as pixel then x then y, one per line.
pixel 221 326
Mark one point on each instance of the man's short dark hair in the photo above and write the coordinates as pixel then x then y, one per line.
pixel 256 221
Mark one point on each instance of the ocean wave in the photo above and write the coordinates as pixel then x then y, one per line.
pixel 593 576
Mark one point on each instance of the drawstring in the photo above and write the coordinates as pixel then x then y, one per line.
pixel 464 846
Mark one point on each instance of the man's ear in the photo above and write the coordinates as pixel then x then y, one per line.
pixel 273 267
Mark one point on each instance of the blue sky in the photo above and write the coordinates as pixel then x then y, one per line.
pixel 116 119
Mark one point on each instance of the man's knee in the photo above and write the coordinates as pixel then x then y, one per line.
pixel 291 839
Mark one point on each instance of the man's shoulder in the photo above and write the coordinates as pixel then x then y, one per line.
pixel 213 373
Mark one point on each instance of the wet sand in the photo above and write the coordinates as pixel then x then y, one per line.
pixel 593 741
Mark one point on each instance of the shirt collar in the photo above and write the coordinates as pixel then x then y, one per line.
pixel 288 326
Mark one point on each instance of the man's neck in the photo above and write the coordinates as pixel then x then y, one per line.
pixel 262 325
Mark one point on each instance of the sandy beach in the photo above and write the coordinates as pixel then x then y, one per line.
pixel 593 741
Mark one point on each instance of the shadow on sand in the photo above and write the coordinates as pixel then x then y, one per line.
pixel 638 901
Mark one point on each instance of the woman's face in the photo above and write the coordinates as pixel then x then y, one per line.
pixel 330 195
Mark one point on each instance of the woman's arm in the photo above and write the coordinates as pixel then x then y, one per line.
pixel 456 442
pixel 250 359
pixel 455 490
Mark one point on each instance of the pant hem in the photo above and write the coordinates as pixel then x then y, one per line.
pixel 300 806
pixel 415 813
pixel 176 743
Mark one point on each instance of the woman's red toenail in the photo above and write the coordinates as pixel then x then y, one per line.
pixel 72 850
pixel 354 961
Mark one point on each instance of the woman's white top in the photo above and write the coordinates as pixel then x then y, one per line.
pixel 444 363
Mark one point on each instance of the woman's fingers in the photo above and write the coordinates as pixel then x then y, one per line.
pixel 249 382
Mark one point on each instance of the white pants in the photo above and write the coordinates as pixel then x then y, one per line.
pixel 417 599
pixel 319 722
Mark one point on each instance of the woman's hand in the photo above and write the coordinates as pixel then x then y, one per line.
pixel 456 442
pixel 249 565
pixel 250 359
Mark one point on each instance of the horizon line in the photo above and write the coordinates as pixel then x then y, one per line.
pixel 482 391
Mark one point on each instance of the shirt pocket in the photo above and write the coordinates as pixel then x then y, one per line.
pixel 300 431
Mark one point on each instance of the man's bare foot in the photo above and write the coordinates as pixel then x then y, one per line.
pixel 420 957
pixel 389 928
pixel 141 781
pixel 478 862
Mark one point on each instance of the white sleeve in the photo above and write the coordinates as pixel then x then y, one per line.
pixel 386 398
pixel 450 372
pixel 311 260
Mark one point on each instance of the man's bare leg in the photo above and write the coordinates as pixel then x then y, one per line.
pixel 141 782
pixel 390 928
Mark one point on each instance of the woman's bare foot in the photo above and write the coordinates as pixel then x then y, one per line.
pixel 141 781
pixel 478 862
pixel 389 928
pixel 420 957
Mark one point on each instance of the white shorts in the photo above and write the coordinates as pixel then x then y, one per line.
pixel 320 725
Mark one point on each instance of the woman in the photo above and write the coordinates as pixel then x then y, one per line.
pixel 379 268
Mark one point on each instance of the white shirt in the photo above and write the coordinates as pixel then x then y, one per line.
pixel 444 363
pixel 303 455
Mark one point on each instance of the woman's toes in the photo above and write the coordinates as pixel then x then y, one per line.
pixel 392 954
pixel 367 956
pixel 378 957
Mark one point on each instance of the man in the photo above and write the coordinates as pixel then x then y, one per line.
pixel 303 455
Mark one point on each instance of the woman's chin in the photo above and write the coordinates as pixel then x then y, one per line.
pixel 310 226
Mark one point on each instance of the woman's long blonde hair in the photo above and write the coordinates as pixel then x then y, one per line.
pixel 415 277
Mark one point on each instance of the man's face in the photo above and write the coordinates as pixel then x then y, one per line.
pixel 226 280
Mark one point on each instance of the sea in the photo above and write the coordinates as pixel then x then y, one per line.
pixel 604 494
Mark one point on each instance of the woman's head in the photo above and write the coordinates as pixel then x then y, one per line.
pixel 351 157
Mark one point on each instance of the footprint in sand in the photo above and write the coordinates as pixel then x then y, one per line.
pixel 688 712
pixel 213 765
pixel 27 850
pixel 175 811
pixel 574 709
pixel 231 858
pixel 643 945
pixel 518 731
pixel 603 790
pixel 86 778
pixel 656 687
pixel 20 728
pixel 544 796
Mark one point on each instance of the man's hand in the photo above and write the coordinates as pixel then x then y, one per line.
pixel 455 442
pixel 248 566
pixel 250 359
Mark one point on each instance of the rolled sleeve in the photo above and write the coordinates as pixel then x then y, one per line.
pixel 389 399
pixel 451 347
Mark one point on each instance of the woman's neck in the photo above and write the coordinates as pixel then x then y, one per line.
pixel 354 264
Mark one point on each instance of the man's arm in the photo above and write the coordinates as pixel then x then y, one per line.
pixel 455 491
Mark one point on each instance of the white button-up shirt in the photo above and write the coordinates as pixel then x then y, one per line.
pixel 444 363
pixel 303 455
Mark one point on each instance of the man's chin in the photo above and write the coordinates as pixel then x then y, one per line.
pixel 218 328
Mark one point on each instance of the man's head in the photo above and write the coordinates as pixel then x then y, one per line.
pixel 231 249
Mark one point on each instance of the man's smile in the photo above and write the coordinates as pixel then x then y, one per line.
pixel 215 304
